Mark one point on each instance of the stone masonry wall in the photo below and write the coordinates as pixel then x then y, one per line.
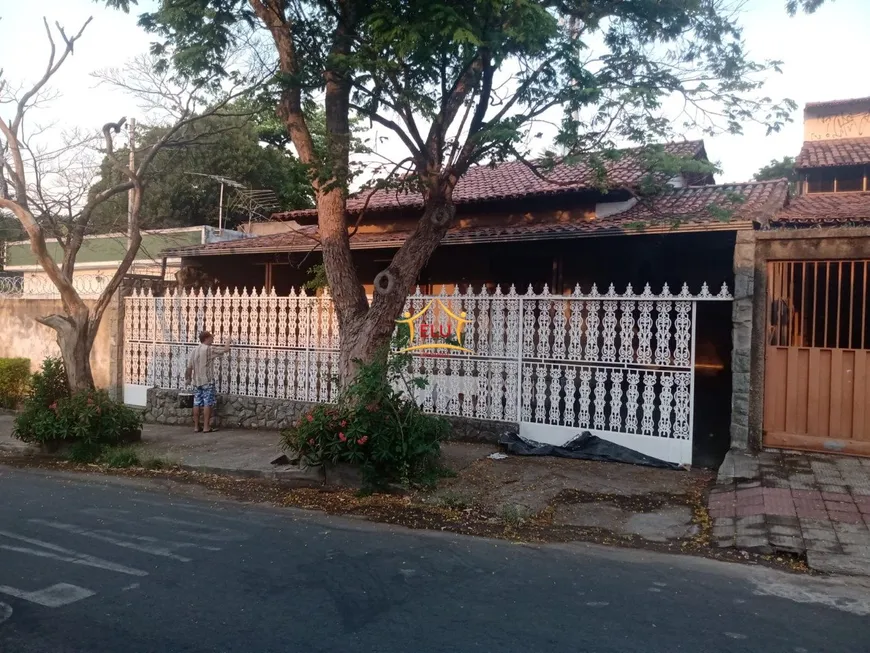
pixel 264 413
pixel 741 330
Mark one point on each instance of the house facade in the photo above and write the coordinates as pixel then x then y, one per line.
pixel 613 301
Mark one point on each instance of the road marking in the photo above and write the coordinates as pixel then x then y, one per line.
pixel 211 533
pixel 132 586
pixel 51 597
pixel 56 552
pixel 5 612
pixel 149 544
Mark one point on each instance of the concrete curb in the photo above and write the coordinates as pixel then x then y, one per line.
pixel 294 476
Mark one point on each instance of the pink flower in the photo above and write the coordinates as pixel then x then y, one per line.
pixel 53 406
pixel 311 442
pixel 342 437
pixel 343 423
pixel 90 402
pixel 310 418
pixel 363 440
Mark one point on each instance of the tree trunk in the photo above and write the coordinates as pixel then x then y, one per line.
pixel 367 334
pixel 75 342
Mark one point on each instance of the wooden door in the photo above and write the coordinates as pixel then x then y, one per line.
pixel 816 386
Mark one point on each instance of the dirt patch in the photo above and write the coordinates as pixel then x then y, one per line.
pixel 436 511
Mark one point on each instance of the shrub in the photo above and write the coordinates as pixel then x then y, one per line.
pixel 49 384
pixel 14 376
pixel 375 424
pixel 88 417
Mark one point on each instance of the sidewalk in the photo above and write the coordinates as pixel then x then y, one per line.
pixel 543 498
pixel 798 503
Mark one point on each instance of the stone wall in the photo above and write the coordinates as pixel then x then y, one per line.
pixel 24 337
pixel 263 413
pixel 741 338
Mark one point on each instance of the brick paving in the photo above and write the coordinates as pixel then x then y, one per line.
pixel 799 503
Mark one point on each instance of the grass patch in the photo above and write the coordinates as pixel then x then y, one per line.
pixel 454 500
pixel 512 514
pixel 120 457
pixel 114 457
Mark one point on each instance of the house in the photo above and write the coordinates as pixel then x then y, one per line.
pixel 99 257
pixel 681 375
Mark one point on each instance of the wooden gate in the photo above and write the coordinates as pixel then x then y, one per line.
pixel 817 391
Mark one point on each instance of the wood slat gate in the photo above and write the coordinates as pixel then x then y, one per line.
pixel 817 391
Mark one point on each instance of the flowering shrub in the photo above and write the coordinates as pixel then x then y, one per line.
pixel 375 424
pixel 51 415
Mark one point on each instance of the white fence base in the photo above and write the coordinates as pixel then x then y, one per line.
pixel 135 395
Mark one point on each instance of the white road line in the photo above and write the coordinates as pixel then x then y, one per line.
pixel 49 550
pixel 5 612
pixel 118 539
pixel 211 533
pixel 50 597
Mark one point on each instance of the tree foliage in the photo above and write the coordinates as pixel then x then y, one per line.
pixel 466 82
pixel 230 146
pixel 778 169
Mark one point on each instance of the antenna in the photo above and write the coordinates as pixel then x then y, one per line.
pixel 257 204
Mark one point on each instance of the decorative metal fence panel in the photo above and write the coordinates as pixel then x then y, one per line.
pixel 614 364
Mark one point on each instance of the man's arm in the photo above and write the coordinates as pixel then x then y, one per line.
pixel 218 350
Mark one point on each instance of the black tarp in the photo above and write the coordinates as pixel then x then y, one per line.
pixel 584 447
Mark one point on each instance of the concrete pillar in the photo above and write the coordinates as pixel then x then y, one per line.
pixel 116 342
pixel 741 337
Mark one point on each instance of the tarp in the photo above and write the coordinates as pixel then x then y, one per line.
pixel 584 447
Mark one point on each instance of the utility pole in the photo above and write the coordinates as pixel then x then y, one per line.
pixel 131 130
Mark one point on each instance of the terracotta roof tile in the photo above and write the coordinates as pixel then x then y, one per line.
pixel 738 204
pixel 514 179
pixel 840 152
pixel 748 202
pixel 825 208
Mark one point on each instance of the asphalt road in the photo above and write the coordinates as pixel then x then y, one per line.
pixel 110 566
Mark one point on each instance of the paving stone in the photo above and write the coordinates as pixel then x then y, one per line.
pixel 838 488
pixel 786 531
pixel 752 520
pixel 729 542
pixel 859 550
pixel 838 563
pixel 807 494
pixel 853 539
pixel 850 517
pixel 755 543
pixel 822 546
pixel 748 485
pixel 818 534
pixel 782 520
pixel 837 496
pixel 788 544
pixel 820 524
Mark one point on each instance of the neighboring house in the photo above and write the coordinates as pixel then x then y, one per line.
pixel 810 359
pixel 99 258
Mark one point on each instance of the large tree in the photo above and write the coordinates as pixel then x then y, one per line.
pixel 45 187
pixel 463 82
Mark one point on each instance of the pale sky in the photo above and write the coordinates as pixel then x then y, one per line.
pixel 825 57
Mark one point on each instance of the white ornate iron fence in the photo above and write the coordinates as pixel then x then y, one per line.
pixel 617 365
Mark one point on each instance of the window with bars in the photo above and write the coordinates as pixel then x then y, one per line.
pixel 819 304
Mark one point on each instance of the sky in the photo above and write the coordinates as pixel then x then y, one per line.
pixel 824 58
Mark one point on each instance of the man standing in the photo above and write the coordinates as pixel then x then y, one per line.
pixel 200 373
